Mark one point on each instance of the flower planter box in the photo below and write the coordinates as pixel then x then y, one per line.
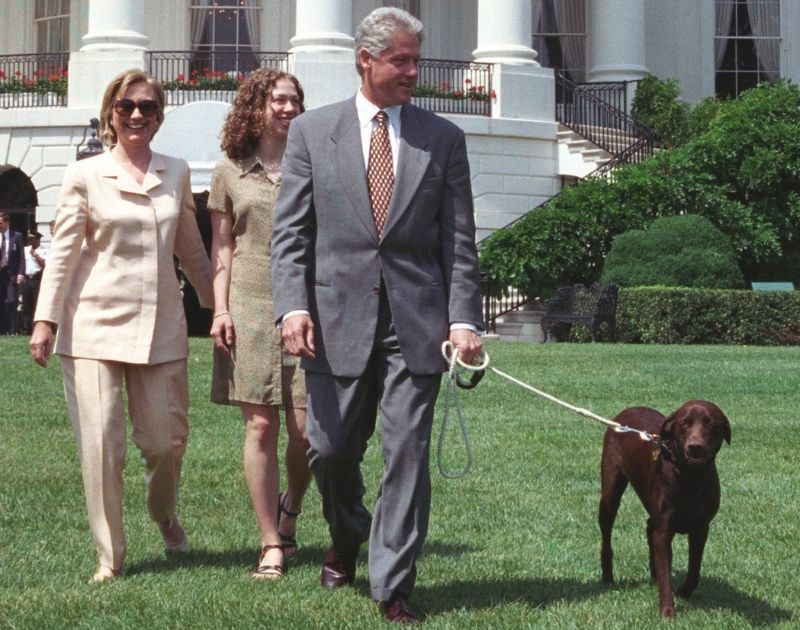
pixel 30 99
pixel 452 106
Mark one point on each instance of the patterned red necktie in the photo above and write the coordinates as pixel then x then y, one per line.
pixel 380 174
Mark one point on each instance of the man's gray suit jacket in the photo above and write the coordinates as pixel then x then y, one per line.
pixel 328 259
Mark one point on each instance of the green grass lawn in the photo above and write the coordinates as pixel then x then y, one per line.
pixel 513 544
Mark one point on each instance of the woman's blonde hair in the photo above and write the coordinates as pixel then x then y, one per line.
pixel 245 122
pixel 118 85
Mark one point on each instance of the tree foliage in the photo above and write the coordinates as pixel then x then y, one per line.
pixel 742 173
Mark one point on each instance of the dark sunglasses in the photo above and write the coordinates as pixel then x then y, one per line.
pixel 147 107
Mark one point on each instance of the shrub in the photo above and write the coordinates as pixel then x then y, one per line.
pixel 681 251
pixel 708 316
pixel 656 106
pixel 562 243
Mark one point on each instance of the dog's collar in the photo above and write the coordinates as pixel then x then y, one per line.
pixel 664 451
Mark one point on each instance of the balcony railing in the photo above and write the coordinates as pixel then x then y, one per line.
pixel 33 80
pixel 40 80
pixel 189 76
pixel 454 87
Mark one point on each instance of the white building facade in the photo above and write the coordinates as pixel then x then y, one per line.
pixel 712 47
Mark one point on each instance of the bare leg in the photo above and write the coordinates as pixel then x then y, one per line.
pixel 261 424
pixel 298 474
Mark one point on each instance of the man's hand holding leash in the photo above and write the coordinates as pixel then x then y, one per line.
pixel 467 343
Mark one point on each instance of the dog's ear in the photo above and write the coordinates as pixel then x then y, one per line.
pixel 726 429
pixel 668 428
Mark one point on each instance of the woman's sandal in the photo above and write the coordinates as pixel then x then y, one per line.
pixel 288 541
pixel 268 571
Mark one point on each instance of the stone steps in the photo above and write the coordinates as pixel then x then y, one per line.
pixel 521 325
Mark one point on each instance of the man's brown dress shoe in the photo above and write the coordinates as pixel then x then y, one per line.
pixel 338 568
pixel 399 612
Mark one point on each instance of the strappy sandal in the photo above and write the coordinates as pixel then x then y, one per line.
pixel 288 541
pixel 268 571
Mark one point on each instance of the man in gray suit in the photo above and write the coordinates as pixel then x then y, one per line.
pixel 367 294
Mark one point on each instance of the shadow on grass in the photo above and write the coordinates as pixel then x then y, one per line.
pixel 712 594
pixel 244 559
pixel 472 595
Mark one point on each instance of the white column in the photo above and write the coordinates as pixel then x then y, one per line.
pixel 115 24
pixel 524 89
pixel 616 40
pixel 322 52
pixel 114 43
pixel 504 32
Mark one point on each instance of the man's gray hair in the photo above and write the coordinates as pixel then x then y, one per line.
pixel 379 28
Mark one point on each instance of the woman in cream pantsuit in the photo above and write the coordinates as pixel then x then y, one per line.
pixel 111 292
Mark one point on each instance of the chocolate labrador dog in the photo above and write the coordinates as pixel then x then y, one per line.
pixel 676 481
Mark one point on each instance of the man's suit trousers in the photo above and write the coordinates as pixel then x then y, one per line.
pixel 341 418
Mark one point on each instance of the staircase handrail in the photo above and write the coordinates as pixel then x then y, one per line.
pixel 598 112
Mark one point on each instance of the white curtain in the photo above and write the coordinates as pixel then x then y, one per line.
pixel 570 18
pixel 722 30
pixel 765 22
pixel 197 21
pixel 252 16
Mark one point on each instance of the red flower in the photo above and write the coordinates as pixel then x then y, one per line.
pixel 195 73
pixel 53 78
pixel 17 74
pixel 458 94
pixel 2 75
pixel 445 86
pixel 467 81
pixel 180 77
pixel 494 95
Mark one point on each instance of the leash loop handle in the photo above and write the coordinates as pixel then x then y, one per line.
pixel 454 380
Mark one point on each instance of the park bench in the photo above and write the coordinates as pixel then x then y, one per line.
pixel 578 304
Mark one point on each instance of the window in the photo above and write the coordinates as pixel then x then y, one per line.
pixel 51 20
pixel 559 36
pixel 225 35
pixel 746 44
pixel 412 6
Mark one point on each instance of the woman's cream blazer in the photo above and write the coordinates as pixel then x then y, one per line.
pixel 110 283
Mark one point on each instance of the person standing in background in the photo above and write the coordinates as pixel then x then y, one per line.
pixel 34 264
pixel 12 274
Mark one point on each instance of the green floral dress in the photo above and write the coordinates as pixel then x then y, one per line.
pixel 257 371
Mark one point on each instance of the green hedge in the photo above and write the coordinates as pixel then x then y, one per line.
pixel 708 316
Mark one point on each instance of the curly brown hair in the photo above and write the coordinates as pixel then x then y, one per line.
pixel 245 122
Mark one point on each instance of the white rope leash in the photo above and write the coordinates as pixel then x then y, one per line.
pixel 619 428
pixel 450 354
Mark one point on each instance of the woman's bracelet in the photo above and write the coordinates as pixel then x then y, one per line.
pixel 221 314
